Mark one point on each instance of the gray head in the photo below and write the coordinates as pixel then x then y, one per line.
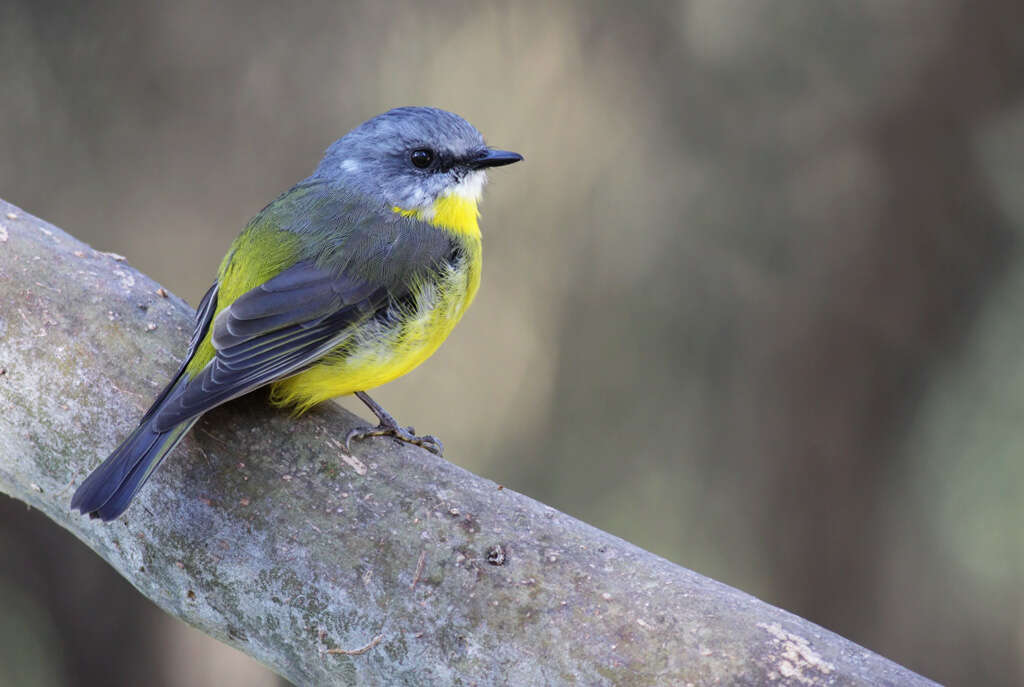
pixel 410 156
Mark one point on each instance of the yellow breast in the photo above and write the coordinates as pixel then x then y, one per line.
pixel 455 212
pixel 381 350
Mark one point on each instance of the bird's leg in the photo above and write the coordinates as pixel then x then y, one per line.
pixel 389 427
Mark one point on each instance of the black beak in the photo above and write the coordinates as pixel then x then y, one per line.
pixel 494 158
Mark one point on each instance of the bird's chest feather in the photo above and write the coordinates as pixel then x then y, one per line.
pixel 397 341
pixel 414 330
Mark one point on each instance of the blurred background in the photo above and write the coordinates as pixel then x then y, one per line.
pixel 755 300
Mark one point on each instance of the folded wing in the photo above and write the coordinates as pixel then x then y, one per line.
pixel 273 331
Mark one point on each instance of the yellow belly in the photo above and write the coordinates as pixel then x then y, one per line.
pixel 378 351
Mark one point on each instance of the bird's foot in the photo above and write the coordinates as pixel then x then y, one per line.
pixel 389 427
pixel 406 434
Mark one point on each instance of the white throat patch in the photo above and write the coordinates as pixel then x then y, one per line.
pixel 471 187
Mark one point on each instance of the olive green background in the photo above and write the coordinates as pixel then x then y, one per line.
pixel 754 301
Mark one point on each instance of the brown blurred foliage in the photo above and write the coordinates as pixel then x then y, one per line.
pixel 754 301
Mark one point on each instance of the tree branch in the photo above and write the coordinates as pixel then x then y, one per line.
pixel 390 567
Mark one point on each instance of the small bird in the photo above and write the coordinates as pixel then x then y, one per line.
pixel 348 280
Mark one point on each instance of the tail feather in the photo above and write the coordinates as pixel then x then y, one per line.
pixel 109 489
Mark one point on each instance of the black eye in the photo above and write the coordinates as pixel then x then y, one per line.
pixel 422 157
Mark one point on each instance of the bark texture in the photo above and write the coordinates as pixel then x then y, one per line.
pixel 388 567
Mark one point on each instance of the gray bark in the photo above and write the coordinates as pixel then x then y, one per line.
pixel 388 567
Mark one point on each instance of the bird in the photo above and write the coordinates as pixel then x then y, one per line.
pixel 345 282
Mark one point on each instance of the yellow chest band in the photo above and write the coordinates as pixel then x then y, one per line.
pixel 456 213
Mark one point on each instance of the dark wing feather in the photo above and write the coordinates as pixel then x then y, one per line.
pixel 204 316
pixel 273 331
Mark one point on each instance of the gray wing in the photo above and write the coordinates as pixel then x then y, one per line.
pixel 204 316
pixel 271 332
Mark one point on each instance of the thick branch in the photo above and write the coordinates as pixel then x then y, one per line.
pixel 391 567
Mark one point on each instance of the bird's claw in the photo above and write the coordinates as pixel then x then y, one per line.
pixel 405 434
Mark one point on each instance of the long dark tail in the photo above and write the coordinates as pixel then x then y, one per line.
pixel 109 489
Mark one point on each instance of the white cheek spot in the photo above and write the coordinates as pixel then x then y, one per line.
pixel 471 187
pixel 350 165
